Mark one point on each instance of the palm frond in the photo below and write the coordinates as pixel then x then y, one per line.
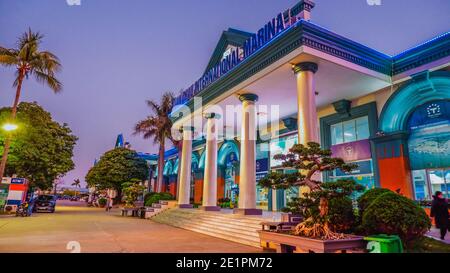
pixel 155 108
pixel 8 57
pixel 48 79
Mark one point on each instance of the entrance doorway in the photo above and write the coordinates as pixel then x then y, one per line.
pixel 427 182
pixel 429 149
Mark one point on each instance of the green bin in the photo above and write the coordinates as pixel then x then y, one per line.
pixel 383 243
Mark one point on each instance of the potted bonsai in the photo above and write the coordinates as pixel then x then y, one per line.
pixel 132 190
pixel 102 202
pixel 324 225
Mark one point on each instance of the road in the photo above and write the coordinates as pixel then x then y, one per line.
pixel 97 231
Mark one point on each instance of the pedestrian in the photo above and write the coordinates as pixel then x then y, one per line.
pixel 439 210
pixel 109 203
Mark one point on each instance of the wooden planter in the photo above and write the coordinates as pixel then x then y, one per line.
pixel 286 243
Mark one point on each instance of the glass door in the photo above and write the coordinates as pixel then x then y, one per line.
pixel 439 180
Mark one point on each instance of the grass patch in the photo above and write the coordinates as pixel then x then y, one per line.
pixel 428 245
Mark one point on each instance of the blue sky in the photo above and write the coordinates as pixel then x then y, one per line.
pixel 118 53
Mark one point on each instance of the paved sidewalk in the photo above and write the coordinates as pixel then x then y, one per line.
pixel 435 233
pixel 99 231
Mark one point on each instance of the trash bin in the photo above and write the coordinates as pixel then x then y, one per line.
pixel 383 243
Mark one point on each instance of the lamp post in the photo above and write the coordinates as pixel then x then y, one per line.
pixel 8 127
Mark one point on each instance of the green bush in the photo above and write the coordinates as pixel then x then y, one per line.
pixel 149 194
pixel 102 202
pixel 394 214
pixel 156 197
pixel 341 213
pixel 368 197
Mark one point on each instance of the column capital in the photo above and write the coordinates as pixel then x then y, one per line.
pixel 248 97
pixel 212 116
pixel 305 66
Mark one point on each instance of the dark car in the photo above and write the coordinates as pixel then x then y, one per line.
pixel 45 203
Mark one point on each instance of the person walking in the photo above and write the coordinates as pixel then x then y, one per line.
pixel 109 203
pixel 439 210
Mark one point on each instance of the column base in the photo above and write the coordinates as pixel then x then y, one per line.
pixel 248 211
pixel 210 208
pixel 186 206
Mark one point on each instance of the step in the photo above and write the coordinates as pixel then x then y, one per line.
pixel 234 225
pixel 194 221
pixel 226 220
pixel 247 240
pixel 229 225
pixel 223 216
pixel 227 236
pixel 249 232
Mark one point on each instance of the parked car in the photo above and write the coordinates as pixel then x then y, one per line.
pixel 45 203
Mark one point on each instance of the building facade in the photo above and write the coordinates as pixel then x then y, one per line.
pixel 390 115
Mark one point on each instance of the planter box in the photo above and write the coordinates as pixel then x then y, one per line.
pixel 286 243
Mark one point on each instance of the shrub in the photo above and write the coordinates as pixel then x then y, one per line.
pixel 149 194
pixel 156 197
pixel 393 214
pixel 8 209
pixel 102 202
pixel 341 213
pixel 341 216
pixel 368 197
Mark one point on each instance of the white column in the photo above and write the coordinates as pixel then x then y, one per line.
pixel 185 169
pixel 209 202
pixel 247 172
pixel 307 113
pixel 306 98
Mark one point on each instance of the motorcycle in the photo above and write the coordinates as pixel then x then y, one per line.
pixel 23 210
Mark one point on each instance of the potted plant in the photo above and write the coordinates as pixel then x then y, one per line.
pixel 102 202
pixel 326 207
pixel 132 190
pixel 224 203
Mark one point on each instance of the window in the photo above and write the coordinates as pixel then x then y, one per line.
pixel 281 146
pixel 350 130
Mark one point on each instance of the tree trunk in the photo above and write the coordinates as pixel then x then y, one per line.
pixel 160 168
pixel 13 117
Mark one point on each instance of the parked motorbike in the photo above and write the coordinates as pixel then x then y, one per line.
pixel 23 210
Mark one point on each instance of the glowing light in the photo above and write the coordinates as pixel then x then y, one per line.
pixel 10 127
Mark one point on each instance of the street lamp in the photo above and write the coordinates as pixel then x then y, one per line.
pixel 10 127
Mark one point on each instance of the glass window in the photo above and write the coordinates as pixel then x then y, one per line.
pixel 281 146
pixel 350 130
pixel 362 128
pixel 337 136
pixel 420 185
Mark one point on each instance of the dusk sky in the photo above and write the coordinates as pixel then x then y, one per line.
pixel 118 53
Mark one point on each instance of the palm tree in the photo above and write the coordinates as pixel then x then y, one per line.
pixel 28 60
pixel 158 126
pixel 77 184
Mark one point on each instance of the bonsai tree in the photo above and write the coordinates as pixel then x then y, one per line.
pixel 132 190
pixel 310 160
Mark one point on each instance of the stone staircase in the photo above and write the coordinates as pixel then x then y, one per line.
pixel 227 226
pixel 159 208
